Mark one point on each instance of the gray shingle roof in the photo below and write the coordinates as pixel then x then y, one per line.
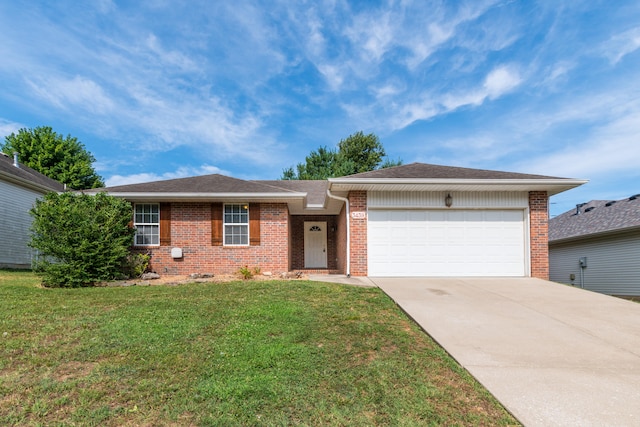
pixel 316 190
pixel 597 216
pixel 214 183
pixel 427 171
pixel 27 176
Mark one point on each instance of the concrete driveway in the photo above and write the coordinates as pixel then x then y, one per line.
pixel 552 354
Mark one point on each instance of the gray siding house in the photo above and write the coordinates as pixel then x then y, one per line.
pixel 20 187
pixel 597 246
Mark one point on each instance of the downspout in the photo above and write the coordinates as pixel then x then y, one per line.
pixel 346 201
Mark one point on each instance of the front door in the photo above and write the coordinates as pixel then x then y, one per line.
pixel 315 245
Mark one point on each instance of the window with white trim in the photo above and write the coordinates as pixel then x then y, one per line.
pixel 146 220
pixel 236 225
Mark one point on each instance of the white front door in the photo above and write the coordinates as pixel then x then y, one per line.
pixel 315 245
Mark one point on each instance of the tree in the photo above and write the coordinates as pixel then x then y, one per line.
pixel 357 153
pixel 64 159
pixel 82 239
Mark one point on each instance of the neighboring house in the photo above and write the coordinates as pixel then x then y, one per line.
pixel 410 220
pixel 20 187
pixel 597 246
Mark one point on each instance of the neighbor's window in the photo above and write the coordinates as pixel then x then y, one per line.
pixel 146 220
pixel 236 225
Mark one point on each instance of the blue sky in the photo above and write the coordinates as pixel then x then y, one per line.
pixel 164 89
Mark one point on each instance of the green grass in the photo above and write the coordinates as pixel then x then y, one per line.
pixel 240 353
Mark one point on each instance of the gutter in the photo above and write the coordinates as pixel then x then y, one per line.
pixel 195 196
pixel 346 201
pixel 31 185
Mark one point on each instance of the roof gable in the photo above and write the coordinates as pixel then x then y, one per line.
pixel 27 177
pixel 596 217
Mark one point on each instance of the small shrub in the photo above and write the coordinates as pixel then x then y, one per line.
pixel 136 265
pixel 246 273
pixel 257 271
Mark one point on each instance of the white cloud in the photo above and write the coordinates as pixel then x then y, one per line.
pixel 76 92
pixel 182 172
pixel 7 128
pixel 620 45
pixel 501 80
pixel 172 57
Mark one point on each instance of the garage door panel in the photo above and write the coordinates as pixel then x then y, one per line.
pixel 446 243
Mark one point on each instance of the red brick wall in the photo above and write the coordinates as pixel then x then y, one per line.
pixel 191 231
pixel 539 234
pixel 297 240
pixel 358 233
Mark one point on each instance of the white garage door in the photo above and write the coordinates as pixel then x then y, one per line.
pixel 446 243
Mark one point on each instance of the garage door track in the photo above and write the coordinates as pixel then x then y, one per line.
pixel 552 354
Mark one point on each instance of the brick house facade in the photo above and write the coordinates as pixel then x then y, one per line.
pixel 197 233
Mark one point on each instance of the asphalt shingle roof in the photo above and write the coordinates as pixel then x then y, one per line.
pixel 25 173
pixel 428 171
pixel 214 183
pixel 316 190
pixel 596 216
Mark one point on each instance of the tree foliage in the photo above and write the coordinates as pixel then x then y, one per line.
pixel 64 159
pixel 82 238
pixel 355 154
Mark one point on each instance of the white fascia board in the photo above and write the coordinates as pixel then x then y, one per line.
pixel 195 197
pixel 552 186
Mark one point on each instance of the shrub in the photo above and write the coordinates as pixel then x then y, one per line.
pixel 136 265
pixel 246 273
pixel 83 239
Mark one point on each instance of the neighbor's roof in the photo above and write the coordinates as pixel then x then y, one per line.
pixel 27 177
pixel 596 217
pixel 427 177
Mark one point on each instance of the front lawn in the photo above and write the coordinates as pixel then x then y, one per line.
pixel 239 353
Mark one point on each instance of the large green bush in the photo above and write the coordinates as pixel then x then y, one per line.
pixel 82 239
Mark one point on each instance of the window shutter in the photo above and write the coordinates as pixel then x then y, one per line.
pixel 254 224
pixel 216 224
pixel 165 224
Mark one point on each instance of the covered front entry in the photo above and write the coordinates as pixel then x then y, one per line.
pixel 446 242
pixel 315 244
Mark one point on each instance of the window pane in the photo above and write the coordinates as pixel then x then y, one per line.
pixel 236 224
pixel 146 220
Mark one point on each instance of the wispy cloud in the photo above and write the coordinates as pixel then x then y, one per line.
pixel 68 94
pixel 622 44
pixel 7 128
